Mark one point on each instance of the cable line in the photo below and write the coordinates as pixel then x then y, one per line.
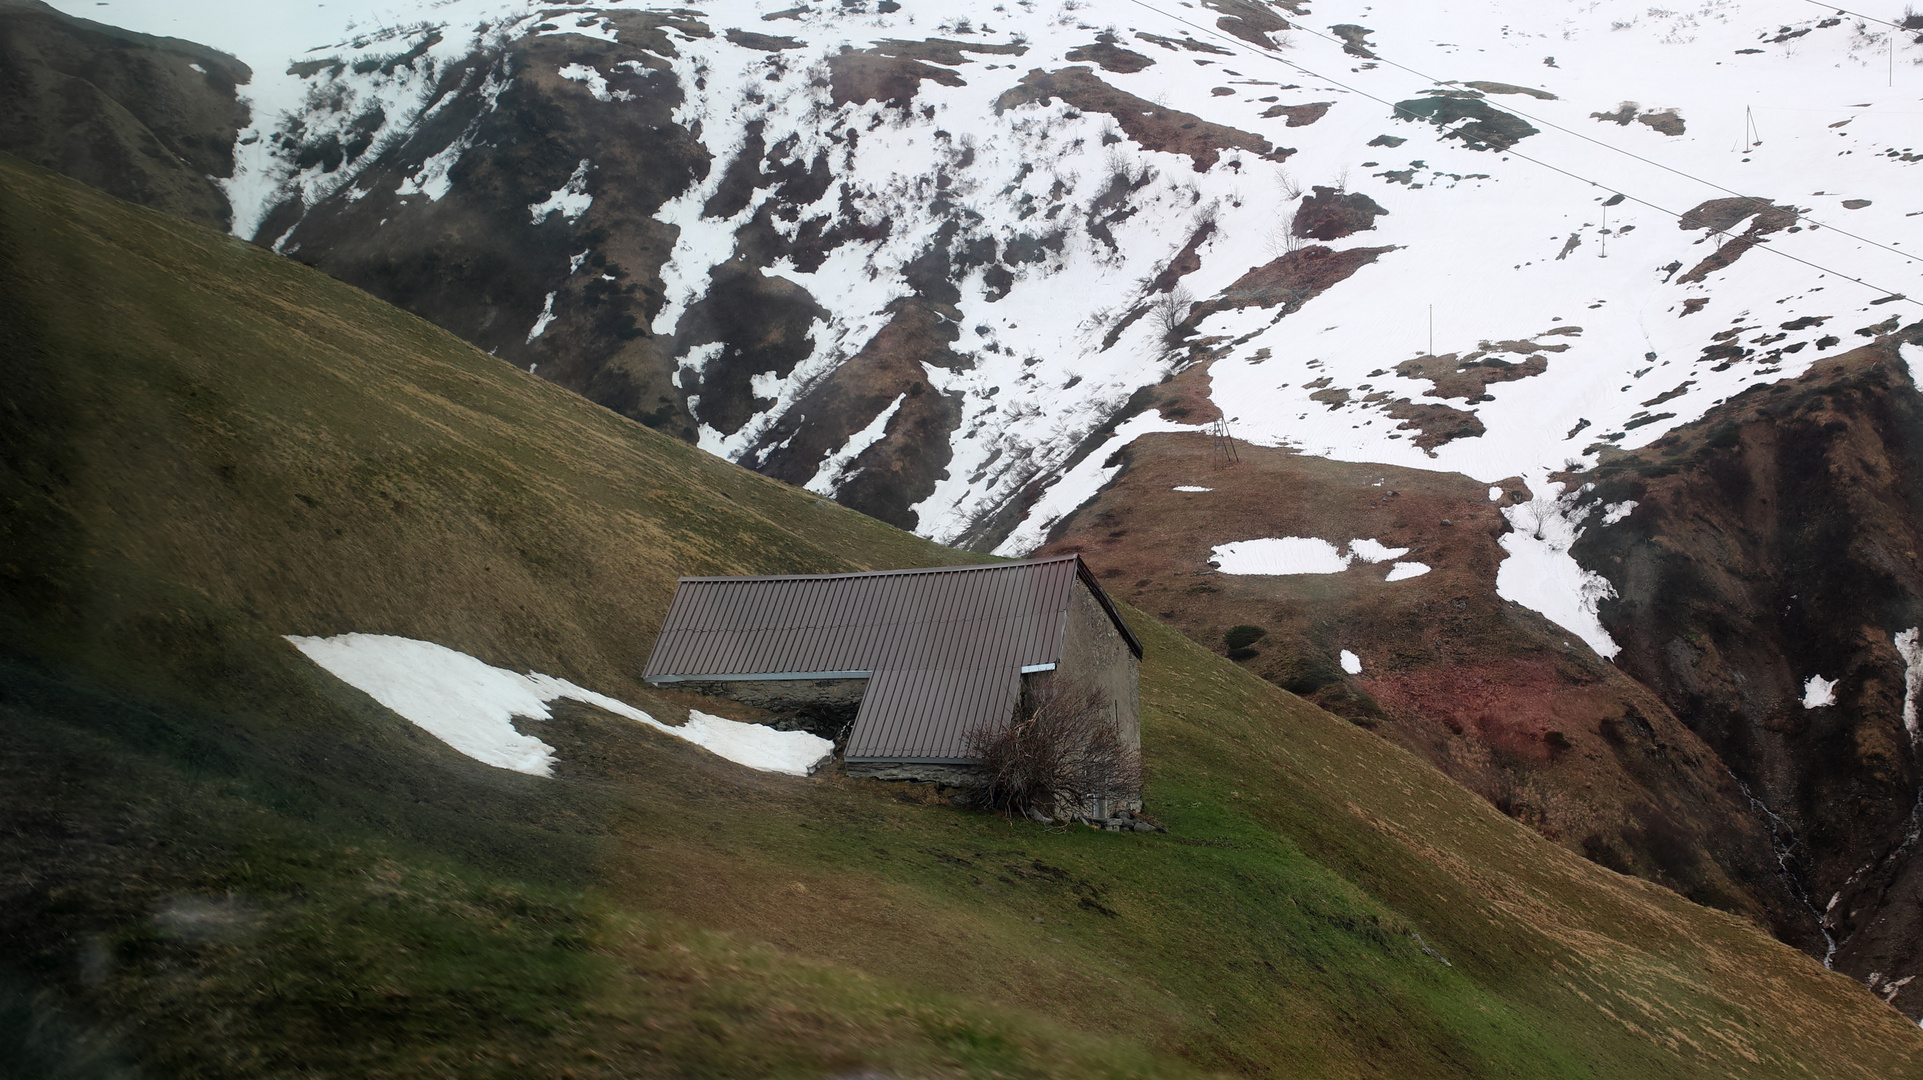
pixel 1858 14
pixel 1759 244
pixel 1610 146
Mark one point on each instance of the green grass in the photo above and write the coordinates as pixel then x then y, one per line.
pixel 204 447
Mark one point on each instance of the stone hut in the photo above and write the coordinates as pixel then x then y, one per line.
pixel 904 663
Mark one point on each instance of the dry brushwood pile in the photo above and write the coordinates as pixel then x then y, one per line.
pixel 1060 755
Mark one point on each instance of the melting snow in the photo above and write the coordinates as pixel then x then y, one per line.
pixel 1191 487
pixel 1911 649
pixel 1370 551
pixel 570 200
pixel 541 321
pixel 1283 555
pixel 1818 692
pixel 1403 571
pixel 1495 493
pixel 834 469
pixel 470 706
pixel 1280 555
pixel 597 82
pixel 1541 575
pixel 1615 512
pixel 1351 663
pixel 1912 357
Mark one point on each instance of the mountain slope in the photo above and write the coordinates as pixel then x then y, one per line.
pixel 936 271
pixel 154 120
pixel 837 243
pixel 1491 693
pixel 221 855
pixel 1766 585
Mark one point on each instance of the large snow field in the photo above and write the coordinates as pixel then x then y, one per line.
pixel 470 705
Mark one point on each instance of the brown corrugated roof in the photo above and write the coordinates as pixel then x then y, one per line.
pixel 944 647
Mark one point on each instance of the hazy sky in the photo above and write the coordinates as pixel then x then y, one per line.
pixel 275 29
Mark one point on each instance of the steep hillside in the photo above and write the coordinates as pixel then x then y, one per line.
pixel 153 120
pixel 937 266
pixel 1410 640
pixel 220 858
pixel 1766 585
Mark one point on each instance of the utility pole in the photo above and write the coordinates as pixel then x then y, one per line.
pixel 1224 443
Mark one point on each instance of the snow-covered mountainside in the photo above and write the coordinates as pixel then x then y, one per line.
pixel 1020 214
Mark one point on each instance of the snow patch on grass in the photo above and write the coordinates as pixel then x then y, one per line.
pixel 1403 571
pixel 1615 512
pixel 597 83
pixel 1191 487
pixel 1372 551
pixel 1351 663
pixel 1280 555
pixel 570 200
pixel 471 705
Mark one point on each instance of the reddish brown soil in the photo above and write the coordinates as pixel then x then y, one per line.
pixel 863 76
pixel 943 50
pixel 1154 126
pixel 1718 216
pixel 1434 424
pixel 1327 214
pixel 1249 20
pixel 1495 696
pixel 1299 115
pixel 1186 396
pixel 1186 261
pixel 1177 44
pixel 748 39
pixel 1470 376
pixel 1111 56
pixel 1292 279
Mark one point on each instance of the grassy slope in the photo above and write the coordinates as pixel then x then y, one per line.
pixel 219 860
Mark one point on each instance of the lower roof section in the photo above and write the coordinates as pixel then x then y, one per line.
pixel 929 713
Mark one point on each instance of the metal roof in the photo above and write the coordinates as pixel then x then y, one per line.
pixel 943 647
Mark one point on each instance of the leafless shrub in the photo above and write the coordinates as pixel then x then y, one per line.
pixel 1060 753
pixel 1291 187
pixel 1170 310
pixel 1282 239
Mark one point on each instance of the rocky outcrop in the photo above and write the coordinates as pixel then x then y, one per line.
pixel 1769 590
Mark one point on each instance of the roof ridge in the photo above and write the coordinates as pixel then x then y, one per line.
pixel 889 573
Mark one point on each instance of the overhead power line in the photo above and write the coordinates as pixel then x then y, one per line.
pixel 1800 216
pixel 1511 151
pixel 1858 14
